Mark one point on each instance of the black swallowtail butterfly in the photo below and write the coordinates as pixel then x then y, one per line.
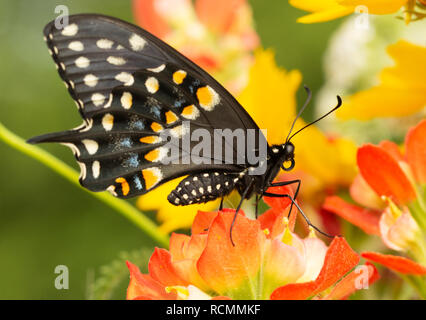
pixel 130 87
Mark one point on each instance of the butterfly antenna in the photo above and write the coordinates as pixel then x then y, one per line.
pixel 339 104
pixel 308 99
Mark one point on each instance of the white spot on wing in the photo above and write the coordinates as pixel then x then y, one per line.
pixel 96 169
pixel 82 62
pixel 157 69
pixel 108 121
pixel 117 61
pixel 98 99
pixel 136 42
pixel 152 85
pixel 76 46
pixel 70 30
pixel 104 43
pixel 125 77
pixel 111 190
pixel 126 100
pixel 91 145
pixel 91 80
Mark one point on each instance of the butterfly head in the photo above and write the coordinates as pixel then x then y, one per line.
pixel 287 156
pixel 284 154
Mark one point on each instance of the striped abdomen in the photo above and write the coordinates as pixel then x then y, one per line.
pixel 202 188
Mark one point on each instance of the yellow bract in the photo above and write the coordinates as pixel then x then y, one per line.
pixel 270 98
pixel 402 88
pixel 326 10
pixel 172 217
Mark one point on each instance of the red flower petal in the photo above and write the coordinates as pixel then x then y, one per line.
pixel 272 218
pixel 367 220
pixel 218 15
pixel 225 267
pixel 178 243
pixel 202 57
pixel 415 143
pixel 396 263
pixel 340 258
pixel 148 18
pixel 392 149
pixel 202 221
pixel 383 174
pixel 331 223
pixel 161 269
pixel 279 204
pixel 268 218
pixel 348 284
pixel 142 286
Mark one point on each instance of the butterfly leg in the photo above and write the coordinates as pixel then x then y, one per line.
pixel 275 195
pixel 286 183
pixel 258 198
pixel 221 203
pixel 243 196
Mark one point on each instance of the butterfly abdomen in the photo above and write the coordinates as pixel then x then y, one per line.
pixel 202 188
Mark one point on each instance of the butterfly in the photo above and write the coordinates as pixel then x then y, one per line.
pixel 137 95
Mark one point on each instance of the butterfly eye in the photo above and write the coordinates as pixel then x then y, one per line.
pixel 290 167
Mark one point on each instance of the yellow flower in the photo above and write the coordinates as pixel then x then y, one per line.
pixel 402 88
pixel 324 162
pixel 172 217
pixel 270 96
pixel 326 10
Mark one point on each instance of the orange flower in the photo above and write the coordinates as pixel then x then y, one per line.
pixel 392 187
pixel 268 261
pixel 215 34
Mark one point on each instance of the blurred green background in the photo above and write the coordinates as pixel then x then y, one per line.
pixel 44 220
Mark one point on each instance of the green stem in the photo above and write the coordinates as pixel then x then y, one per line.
pixel 418 283
pixel 123 207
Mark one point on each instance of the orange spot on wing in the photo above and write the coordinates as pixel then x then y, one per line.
pixel 156 127
pixel 188 111
pixel 204 95
pixel 171 117
pixel 150 177
pixel 125 188
pixel 179 76
pixel 152 155
pixel 149 139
